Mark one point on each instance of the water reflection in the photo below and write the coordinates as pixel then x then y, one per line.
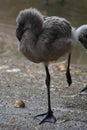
pixel 73 10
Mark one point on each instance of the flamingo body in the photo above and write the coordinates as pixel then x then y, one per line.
pixel 53 39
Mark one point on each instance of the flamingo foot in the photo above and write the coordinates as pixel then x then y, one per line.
pixel 46 117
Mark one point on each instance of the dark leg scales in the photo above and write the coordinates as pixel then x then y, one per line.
pixel 46 117
pixel 68 75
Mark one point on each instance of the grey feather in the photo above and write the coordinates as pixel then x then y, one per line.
pixel 42 38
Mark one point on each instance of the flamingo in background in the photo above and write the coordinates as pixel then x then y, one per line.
pixel 82 37
pixel 44 39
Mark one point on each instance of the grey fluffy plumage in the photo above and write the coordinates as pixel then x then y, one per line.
pixel 46 38
pixel 43 40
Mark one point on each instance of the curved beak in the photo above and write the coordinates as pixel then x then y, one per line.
pixel 19 33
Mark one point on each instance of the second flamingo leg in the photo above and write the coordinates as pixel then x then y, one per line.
pixel 68 75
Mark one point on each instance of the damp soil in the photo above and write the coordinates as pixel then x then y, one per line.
pixel 23 80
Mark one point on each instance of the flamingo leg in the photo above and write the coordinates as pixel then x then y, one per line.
pixel 68 75
pixel 84 90
pixel 47 117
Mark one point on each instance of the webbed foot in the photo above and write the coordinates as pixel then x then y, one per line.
pixel 46 117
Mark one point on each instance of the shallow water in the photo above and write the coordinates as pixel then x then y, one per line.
pixel 73 10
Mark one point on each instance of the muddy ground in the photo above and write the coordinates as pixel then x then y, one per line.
pixel 23 80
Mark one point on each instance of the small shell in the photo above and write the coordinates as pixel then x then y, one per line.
pixel 77 72
pixel 61 67
pixel 19 103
